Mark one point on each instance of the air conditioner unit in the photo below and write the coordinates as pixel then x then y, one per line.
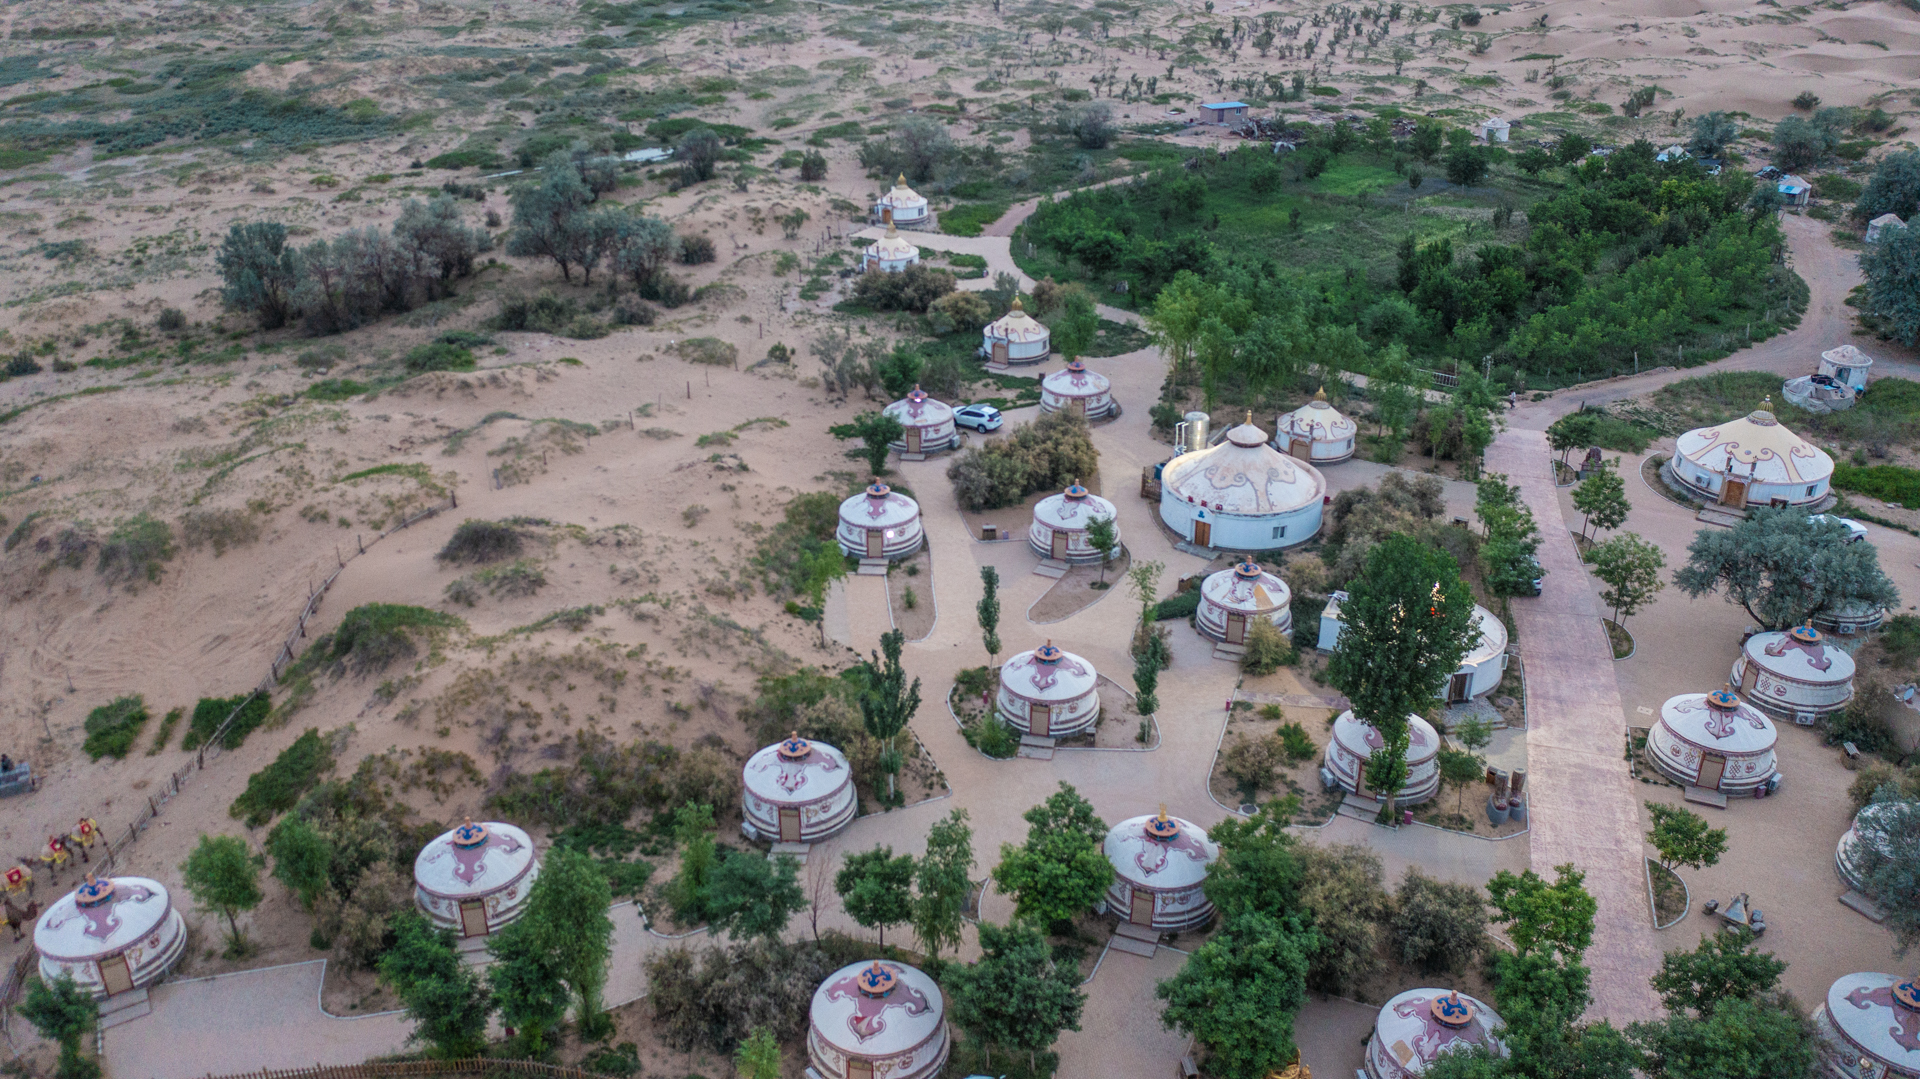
pixel 1805 719
pixel 1327 781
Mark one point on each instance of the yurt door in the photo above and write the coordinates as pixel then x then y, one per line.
pixel 1000 353
pixel 1300 448
pixel 1059 545
pixel 115 975
pixel 1712 766
pixel 1236 628
pixel 876 543
pixel 1142 912
pixel 913 440
pixel 789 826
pixel 859 1069
pixel 1733 492
pixel 1079 406
pixel 473 918
pixel 1040 720
pixel 1203 533
pixel 1458 688
pixel 1749 676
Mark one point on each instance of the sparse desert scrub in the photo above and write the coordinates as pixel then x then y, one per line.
pixel 219 529
pixel 481 541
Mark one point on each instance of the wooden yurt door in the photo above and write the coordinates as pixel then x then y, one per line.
pixel 1203 533
pixel 473 918
pixel 1040 720
pixel 1300 448
pixel 1142 911
pixel 1079 406
pixel 1000 352
pixel 1236 628
pixel 1059 545
pixel 115 975
pixel 913 440
pixel 876 543
pixel 1749 676
pixel 1459 688
pixel 1733 492
pixel 789 826
pixel 859 1069
pixel 1712 767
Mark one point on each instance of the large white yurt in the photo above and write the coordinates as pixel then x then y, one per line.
pixel 1316 432
pixel 1159 865
pixel 1794 673
pixel 1075 389
pixel 1242 495
pixel 1420 1024
pixel 1869 1028
pixel 1059 528
pixel 1752 461
pixel 1848 365
pixel 879 523
pixel 929 424
pixel 1485 662
pixel 1049 692
pixel 476 878
pixel 796 791
pixel 1016 338
pixel 110 935
pixel 1232 598
pixel 877 1020
pixel 909 207
pixel 1854 855
pixel 1353 742
pixel 1715 741
pixel 890 253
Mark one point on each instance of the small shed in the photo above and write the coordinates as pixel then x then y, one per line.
pixel 1015 338
pixel 903 206
pixel 891 253
pixel 110 935
pixel 1059 528
pixel 1494 129
pixel 1232 598
pixel 1079 391
pixel 1223 112
pixel 1795 190
pixel 1879 225
pixel 1864 844
pixel 1353 744
pixel 1417 1026
pixel 878 1019
pixel 927 424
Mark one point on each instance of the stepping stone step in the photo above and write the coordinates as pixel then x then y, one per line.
pixel 1037 741
pixel 1705 797
pixel 1035 753
pixel 873 567
pixel 1864 905
pixel 1231 652
pixel 1134 947
pixel 913 457
pixel 1049 567
pixel 1137 932
pixel 109 1020
pixel 1719 515
pixel 796 851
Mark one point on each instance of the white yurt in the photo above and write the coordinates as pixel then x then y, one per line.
pixel 1075 389
pixel 1494 129
pixel 1854 854
pixel 110 935
pixel 1847 364
pixel 879 523
pixel 1241 494
pixel 909 207
pixel 476 878
pixel 1049 693
pixel 890 253
pixel 1485 662
pixel 878 1020
pixel 1059 528
pixel 1159 865
pixel 1878 228
pixel 1016 338
pixel 1715 741
pixel 1353 742
pixel 1850 619
pixel 929 424
pixel 1417 1026
pixel 1795 673
pixel 1316 432
pixel 1232 598
pixel 797 791
pixel 1869 1028
pixel 1752 461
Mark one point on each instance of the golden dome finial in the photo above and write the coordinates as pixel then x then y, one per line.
pixel 1320 394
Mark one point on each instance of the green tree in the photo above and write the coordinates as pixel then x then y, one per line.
pixel 527 986
pixel 688 891
pixel 1894 187
pixel 1428 136
pixel 1800 143
pixel 697 151
pixel 1713 132
pixel 1396 388
pixel 1893 875
pixel 1724 966
pixel 899 371
pixel 943 880
pixel 1438 925
pixel 259 272
pixel 1571 432
pixel 1017 995
pixel 1784 567
pixel 754 898
pixel 1507 557
pixel 547 213
pixel 1460 770
pixel 224 876
pixel 1146 674
pixel 759 1056
pixel 446 1002
pixel 889 702
pixel 1238 993
pixel 1102 536
pixel 1260 870
pixel 876 888
pixel 62 1012
pixel 1683 838
pixel 1534 160
pixel 877 431
pixel 567 919
pixel 1466 164
pixel 1741 1039
pixel 302 856
pixel 1073 327
pixel 1602 498
pixel 1630 567
pixel 1554 919
pixel 1061 870
pixel 1892 268
pixel 988 611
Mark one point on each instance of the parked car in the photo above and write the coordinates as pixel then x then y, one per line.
pixel 1541 572
pixel 978 417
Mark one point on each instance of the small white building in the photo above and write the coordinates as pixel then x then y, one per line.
pixel 929 424
pixel 1075 389
pixel 1159 866
pixel 1795 190
pixel 1353 742
pixel 1869 1028
pixel 1796 674
pixel 878 1020
pixel 1049 693
pixel 903 206
pixel 879 523
pixel 1480 669
pixel 1415 1027
pixel 1878 227
pixel 1223 112
pixel 1016 338
pixel 1316 432
pixel 1494 129
pixel 1714 741
pixel 1862 845
pixel 1752 461
pixel 1233 598
pixel 110 935
pixel 476 878
pixel 1848 365
pixel 796 791
pixel 1242 495
pixel 890 253
pixel 1059 529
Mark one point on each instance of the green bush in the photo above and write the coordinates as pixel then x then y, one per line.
pixel 135 548
pixel 1267 648
pixel 213 711
pixel 112 727
pixel 1182 605
pixel 481 541
pixel 336 389
pixel 1047 454
pixel 374 635
pixel 438 356
pixel 219 529
pixel 466 159
pixel 1297 743
pixel 278 787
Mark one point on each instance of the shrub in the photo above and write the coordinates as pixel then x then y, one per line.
pixel 1250 763
pixel 813 166
pixel 1047 454
pixel 521 577
pixel 695 250
pixel 135 549
pixel 374 635
pixel 220 528
pixel 632 310
pixel 112 727
pixel 171 320
pixel 1342 892
pixel 715 1000
pixel 912 289
pixel 958 312
pixel 1297 743
pixel 278 787
pixel 1181 605
pixel 481 541
pixel 1267 648
pixel 541 313
pixel 710 351
pixel 21 366
pixel 437 356
pixel 1438 925
pixel 213 711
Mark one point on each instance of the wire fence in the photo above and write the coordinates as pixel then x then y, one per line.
pixel 397 1069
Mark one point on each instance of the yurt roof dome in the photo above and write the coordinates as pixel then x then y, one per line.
pixel 1801 654
pixel 1016 325
pixel 1429 1022
pixel 917 409
pixel 1880 1015
pixel 1719 721
pixel 1247 588
pixel 1160 852
pixel 796 771
pixel 1319 421
pixel 1492 639
pixel 1361 739
pixel 1074 380
pixel 101 917
pixel 879 506
pixel 877 1009
pixel 902 195
pixel 1848 355
pixel 1758 442
pixel 1243 475
pixel 1071 509
pixel 893 246
pixel 476 858
pixel 1049 674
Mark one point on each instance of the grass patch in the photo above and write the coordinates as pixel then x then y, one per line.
pixel 1887 414
pixel 481 541
pixel 336 389
pixel 374 635
pixel 112 727
pixel 1619 638
pixel 1888 483
pixel 165 734
pixel 971 218
pixel 278 787
pixel 213 711
pixel 135 549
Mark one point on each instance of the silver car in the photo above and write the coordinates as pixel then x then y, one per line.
pixel 978 417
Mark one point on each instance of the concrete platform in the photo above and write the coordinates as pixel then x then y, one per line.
pixel 1035 747
pixel 797 851
pixel 1050 567
pixel 1705 797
